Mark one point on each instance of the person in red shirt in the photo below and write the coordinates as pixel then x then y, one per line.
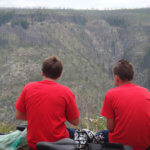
pixel 47 105
pixel 127 109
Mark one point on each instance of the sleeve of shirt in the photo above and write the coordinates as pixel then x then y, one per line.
pixel 20 103
pixel 107 110
pixel 72 111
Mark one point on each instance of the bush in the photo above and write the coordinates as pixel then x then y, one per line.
pixel 117 21
pixel 6 128
pixel 20 22
pixel 39 16
pixel 81 20
pixel 146 60
pixel 5 17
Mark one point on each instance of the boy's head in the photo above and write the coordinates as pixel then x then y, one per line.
pixel 124 70
pixel 52 67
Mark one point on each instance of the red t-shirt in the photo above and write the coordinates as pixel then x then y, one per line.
pixel 47 105
pixel 129 105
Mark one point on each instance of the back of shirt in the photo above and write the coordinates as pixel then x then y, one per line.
pixel 47 105
pixel 129 105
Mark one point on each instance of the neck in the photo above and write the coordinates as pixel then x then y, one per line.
pixel 49 79
pixel 125 82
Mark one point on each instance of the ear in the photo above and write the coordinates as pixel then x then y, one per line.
pixel 117 80
pixel 42 74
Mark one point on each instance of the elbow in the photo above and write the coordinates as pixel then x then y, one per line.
pixel 110 130
pixel 20 116
pixel 17 117
pixel 110 125
pixel 76 123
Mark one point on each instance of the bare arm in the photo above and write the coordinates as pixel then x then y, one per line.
pixel 20 115
pixel 110 124
pixel 74 122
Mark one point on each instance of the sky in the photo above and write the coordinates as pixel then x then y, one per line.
pixel 76 4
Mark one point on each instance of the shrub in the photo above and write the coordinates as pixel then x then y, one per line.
pixel 117 21
pixel 5 17
pixel 20 22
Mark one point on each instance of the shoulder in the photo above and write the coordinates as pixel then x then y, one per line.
pixel 65 88
pixel 141 88
pixel 30 85
pixel 67 92
pixel 113 91
pixel 142 91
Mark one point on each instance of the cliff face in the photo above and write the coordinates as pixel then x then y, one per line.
pixel 88 43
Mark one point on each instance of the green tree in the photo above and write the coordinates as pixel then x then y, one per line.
pixel 5 17
pixel 21 22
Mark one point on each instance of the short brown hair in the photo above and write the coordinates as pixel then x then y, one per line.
pixel 124 70
pixel 52 67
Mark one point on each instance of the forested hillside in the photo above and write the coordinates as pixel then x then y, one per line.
pixel 88 43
